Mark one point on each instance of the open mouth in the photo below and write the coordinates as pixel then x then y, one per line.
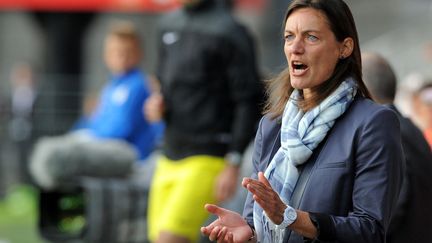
pixel 298 67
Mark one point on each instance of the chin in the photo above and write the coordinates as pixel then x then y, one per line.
pixel 296 84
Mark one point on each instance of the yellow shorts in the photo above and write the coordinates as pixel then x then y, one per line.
pixel 178 193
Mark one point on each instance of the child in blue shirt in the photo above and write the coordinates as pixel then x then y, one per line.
pixel 119 113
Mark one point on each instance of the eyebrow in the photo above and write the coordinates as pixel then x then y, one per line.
pixel 306 31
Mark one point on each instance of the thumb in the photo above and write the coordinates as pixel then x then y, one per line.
pixel 213 209
pixel 263 179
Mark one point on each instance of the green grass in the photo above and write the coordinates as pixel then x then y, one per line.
pixel 18 216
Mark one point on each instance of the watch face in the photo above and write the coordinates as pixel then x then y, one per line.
pixel 233 158
pixel 290 215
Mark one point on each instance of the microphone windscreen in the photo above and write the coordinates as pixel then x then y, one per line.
pixel 61 159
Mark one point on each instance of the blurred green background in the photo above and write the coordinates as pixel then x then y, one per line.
pixel 18 216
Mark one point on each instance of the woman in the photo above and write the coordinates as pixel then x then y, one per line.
pixel 327 160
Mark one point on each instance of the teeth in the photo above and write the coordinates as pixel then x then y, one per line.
pixel 298 67
pixel 297 71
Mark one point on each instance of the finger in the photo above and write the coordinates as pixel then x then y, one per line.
pixel 222 234
pixel 213 209
pixel 269 199
pixel 214 233
pixel 262 192
pixel 255 181
pixel 248 180
pixel 263 179
pixel 210 227
pixel 230 237
pixel 259 188
pixel 245 181
pixel 205 231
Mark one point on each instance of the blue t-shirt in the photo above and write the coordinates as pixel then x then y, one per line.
pixel 120 113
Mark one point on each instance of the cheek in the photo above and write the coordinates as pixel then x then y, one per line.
pixel 286 53
pixel 328 68
pixel 327 63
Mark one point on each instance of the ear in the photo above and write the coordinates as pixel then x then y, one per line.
pixel 347 48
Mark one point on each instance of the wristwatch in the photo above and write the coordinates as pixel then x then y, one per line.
pixel 290 215
pixel 233 158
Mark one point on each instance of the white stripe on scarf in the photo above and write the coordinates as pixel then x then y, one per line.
pixel 301 133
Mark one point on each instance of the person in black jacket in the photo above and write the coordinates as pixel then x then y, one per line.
pixel 209 97
pixel 410 220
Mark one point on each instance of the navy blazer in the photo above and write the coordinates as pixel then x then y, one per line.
pixel 355 174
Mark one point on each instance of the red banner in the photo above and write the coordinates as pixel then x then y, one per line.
pixel 108 5
pixel 90 5
pixel 251 4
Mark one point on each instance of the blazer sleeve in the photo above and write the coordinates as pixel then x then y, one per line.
pixel 378 160
pixel 256 158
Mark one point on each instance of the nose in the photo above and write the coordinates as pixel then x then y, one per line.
pixel 296 46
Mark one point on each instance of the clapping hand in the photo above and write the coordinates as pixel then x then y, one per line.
pixel 230 227
pixel 266 197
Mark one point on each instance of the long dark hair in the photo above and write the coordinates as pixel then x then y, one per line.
pixel 342 25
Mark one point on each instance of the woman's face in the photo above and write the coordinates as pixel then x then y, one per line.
pixel 311 49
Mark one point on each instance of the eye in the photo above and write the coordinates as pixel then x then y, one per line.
pixel 312 38
pixel 289 37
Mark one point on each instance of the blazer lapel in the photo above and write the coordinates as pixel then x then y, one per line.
pixel 275 147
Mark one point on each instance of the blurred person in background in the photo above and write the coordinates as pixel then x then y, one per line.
pixel 116 134
pixel 327 159
pixel 410 220
pixel 20 128
pixel 414 100
pixel 118 113
pixel 17 126
pixel 2 138
pixel 406 94
pixel 210 90
pixel 423 109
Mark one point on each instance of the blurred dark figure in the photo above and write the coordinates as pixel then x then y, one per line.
pixel 410 220
pixel 20 126
pixel 60 102
pixel 210 90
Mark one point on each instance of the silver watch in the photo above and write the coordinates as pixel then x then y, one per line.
pixel 234 158
pixel 290 215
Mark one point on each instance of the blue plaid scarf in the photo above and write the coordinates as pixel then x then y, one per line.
pixel 300 135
